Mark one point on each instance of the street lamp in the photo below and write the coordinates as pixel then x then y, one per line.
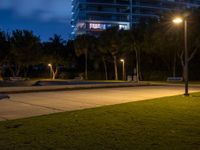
pixel 51 69
pixel 123 68
pixel 179 20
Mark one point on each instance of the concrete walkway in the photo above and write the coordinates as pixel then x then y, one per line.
pixel 35 104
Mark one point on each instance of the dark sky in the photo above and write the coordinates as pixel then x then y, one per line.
pixel 43 17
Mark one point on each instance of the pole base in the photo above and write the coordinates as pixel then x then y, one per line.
pixel 186 94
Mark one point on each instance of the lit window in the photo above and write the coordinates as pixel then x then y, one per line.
pixel 123 26
pixel 97 26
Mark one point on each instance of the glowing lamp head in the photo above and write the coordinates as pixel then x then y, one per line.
pixel 49 65
pixel 177 20
pixel 122 60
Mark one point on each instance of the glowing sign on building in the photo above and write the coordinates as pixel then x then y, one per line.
pixel 103 26
pixel 97 26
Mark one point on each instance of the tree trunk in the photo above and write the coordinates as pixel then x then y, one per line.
pixel 54 73
pixel 18 70
pixel 1 78
pixel 12 71
pixel 115 67
pixel 183 72
pixel 137 66
pixel 189 59
pixel 25 71
pixel 183 65
pixel 174 66
pixel 86 64
pixel 105 68
pixel 54 76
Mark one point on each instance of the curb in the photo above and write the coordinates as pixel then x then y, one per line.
pixel 18 90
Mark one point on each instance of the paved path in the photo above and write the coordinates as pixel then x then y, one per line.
pixel 34 104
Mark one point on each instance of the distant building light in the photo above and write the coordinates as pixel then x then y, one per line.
pixel 97 26
pixel 123 26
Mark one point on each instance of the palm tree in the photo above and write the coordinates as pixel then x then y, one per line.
pixel 132 45
pixel 111 38
pixel 83 44
pixel 103 52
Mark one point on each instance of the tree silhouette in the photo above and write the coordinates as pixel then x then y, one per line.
pixel 84 45
pixel 25 47
pixel 54 54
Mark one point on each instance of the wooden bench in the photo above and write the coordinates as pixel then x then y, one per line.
pixel 174 79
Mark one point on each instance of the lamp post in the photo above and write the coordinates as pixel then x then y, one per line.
pixel 123 68
pixel 179 20
pixel 51 69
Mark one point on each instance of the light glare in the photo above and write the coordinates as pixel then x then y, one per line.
pixel 178 20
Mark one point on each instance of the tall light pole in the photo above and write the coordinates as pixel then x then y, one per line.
pixel 51 70
pixel 179 20
pixel 123 68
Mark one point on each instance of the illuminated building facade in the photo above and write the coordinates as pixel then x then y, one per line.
pixel 92 16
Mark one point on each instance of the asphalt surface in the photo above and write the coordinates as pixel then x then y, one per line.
pixel 34 104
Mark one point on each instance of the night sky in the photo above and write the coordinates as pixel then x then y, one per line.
pixel 43 17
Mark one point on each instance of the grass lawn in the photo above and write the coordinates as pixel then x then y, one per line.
pixel 170 123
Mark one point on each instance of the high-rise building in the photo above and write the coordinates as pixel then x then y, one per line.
pixel 90 16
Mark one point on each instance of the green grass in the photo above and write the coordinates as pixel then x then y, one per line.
pixel 171 123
